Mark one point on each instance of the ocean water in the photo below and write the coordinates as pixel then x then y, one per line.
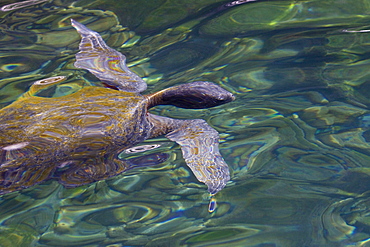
pixel 296 138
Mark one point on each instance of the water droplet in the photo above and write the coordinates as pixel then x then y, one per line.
pixel 212 205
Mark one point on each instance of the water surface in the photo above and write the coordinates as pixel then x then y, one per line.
pixel 296 138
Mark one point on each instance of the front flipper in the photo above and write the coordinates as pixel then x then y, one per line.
pixel 199 146
pixel 104 62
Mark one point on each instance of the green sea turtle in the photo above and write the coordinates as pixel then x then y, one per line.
pixel 77 138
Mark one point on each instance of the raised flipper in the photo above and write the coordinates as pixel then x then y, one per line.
pixel 199 146
pixel 193 95
pixel 104 62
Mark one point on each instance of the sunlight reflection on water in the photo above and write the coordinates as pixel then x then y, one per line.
pixel 296 138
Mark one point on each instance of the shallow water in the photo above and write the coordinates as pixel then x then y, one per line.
pixel 296 138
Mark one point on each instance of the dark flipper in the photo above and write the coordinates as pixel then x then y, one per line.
pixel 194 95
pixel 104 62
pixel 199 146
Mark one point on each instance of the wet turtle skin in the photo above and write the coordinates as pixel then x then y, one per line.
pixel 88 126
pixel 77 138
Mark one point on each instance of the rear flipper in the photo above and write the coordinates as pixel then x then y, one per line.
pixel 22 167
pixel 22 177
pixel 199 146
pixel 80 172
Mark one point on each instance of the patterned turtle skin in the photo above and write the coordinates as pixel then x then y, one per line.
pixel 77 138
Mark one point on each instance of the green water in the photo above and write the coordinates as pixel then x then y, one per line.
pixel 296 138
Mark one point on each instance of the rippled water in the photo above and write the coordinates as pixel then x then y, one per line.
pixel 296 138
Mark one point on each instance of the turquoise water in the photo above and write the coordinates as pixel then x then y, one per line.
pixel 296 138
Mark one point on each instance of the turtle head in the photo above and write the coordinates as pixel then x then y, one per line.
pixel 43 84
pixel 194 95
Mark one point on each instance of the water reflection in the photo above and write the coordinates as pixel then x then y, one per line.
pixel 21 4
pixel 296 137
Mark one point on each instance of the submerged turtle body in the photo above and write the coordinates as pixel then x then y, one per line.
pixel 69 121
pixel 77 138
pixel 71 136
